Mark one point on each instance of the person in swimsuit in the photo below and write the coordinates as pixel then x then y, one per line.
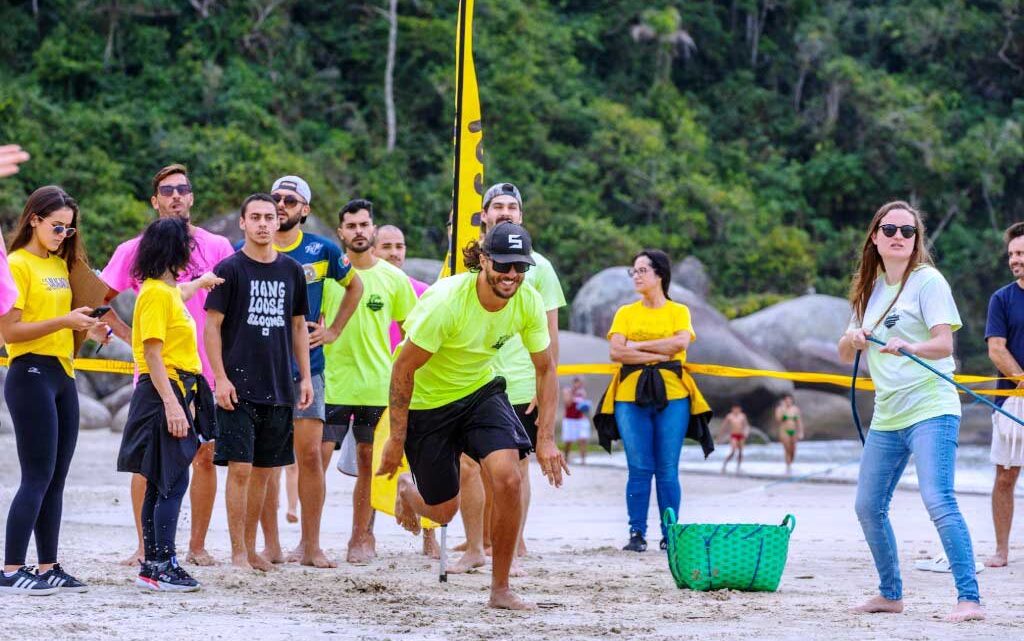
pixel 791 428
pixel 739 430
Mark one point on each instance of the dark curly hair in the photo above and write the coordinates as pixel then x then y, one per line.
pixel 165 246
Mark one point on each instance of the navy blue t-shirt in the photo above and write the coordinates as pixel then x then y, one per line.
pixel 1006 320
pixel 320 258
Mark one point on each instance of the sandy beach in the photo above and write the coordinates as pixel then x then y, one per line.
pixel 587 588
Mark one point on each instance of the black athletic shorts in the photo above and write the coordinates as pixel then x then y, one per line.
pixel 529 422
pixel 476 425
pixel 362 418
pixel 255 433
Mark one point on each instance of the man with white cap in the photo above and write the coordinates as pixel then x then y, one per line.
pixel 320 259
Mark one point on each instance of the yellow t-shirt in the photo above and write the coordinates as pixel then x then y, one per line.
pixel 639 323
pixel 160 313
pixel 44 292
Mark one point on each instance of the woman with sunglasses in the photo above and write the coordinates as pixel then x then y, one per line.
pixel 651 391
pixel 899 298
pixel 40 387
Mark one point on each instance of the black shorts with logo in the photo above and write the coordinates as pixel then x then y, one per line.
pixel 362 418
pixel 255 433
pixel 476 425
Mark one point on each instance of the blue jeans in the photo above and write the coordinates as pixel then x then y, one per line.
pixel 653 442
pixel 933 443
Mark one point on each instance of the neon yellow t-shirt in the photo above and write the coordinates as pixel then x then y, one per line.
pixel 464 338
pixel 513 362
pixel 44 292
pixel 358 370
pixel 639 323
pixel 160 313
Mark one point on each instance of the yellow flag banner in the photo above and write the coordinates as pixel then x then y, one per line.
pixel 468 175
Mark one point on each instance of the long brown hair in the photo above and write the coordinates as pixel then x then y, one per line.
pixel 43 202
pixel 871 264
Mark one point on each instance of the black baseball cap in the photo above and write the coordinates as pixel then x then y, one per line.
pixel 509 243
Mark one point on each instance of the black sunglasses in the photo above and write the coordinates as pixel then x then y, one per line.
pixel 168 190
pixel 289 200
pixel 504 268
pixel 908 231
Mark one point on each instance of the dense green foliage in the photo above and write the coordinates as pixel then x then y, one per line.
pixel 758 135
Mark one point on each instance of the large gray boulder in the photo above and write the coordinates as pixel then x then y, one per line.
pixel 6 422
pixel 801 333
pixel 124 306
pixel 84 386
pixel 106 384
pixel 599 298
pixel 92 414
pixel 691 274
pixel 118 399
pixel 227 225
pixel 120 420
pixel 582 349
pixel 423 269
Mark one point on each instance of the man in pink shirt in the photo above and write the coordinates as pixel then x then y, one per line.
pixel 389 244
pixel 172 196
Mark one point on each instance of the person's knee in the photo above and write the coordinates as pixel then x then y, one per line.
pixel 203 460
pixel 940 503
pixel 867 507
pixel 469 470
pixel 443 513
pixel 1006 480
pixel 507 482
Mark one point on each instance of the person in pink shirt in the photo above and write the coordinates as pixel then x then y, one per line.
pixel 172 196
pixel 10 157
pixel 389 244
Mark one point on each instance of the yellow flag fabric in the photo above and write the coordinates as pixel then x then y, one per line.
pixel 468 187
pixel 383 491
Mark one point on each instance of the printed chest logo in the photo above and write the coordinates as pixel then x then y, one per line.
pixel 498 344
pixel 56 283
pixel 310 273
pixel 375 303
pixel 891 320
pixel 266 305
pixel 313 249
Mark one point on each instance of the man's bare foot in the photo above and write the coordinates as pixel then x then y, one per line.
pixel 201 558
pixel 295 556
pixel 274 556
pixel 516 570
pixel 521 550
pixel 506 599
pixel 139 555
pixel 878 604
pixel 997 560
pixel 966 611
pixel 257 562
pixel 430 547
pixel 291 517
pixel 359 553
pixel 404 513
pixel 468 562
pixel 241 561
pixel 318 560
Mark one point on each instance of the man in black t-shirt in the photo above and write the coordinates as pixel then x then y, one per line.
pixel 255 324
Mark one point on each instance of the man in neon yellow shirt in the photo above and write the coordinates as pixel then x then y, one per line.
pixel 446 398
pixel 503 203
pixel 359 363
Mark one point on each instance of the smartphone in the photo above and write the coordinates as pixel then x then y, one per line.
pixel 99 311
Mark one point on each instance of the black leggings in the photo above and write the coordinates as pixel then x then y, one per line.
pixel 160 518
pixel 43 402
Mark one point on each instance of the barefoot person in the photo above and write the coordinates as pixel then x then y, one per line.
pixel 161 435
pixel 390 245
pixel 899 298
pixel 503 203
pixel 320 259
pixel 791 428
pixel 40 387
pixel 359 362
pixel 736 425
pixel 653 395
pixel 172 197
pixel 457 403
pixel 255 325
pixel 1004 332
pixel 575 422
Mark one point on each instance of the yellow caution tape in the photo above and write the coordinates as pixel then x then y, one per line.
pixel 109 366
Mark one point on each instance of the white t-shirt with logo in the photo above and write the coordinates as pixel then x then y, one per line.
pixel 905 392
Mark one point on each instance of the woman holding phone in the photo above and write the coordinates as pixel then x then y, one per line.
pixel 40 387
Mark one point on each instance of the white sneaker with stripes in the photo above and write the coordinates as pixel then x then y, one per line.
pixel 25 581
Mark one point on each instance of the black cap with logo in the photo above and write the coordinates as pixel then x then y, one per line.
pixel 509 243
